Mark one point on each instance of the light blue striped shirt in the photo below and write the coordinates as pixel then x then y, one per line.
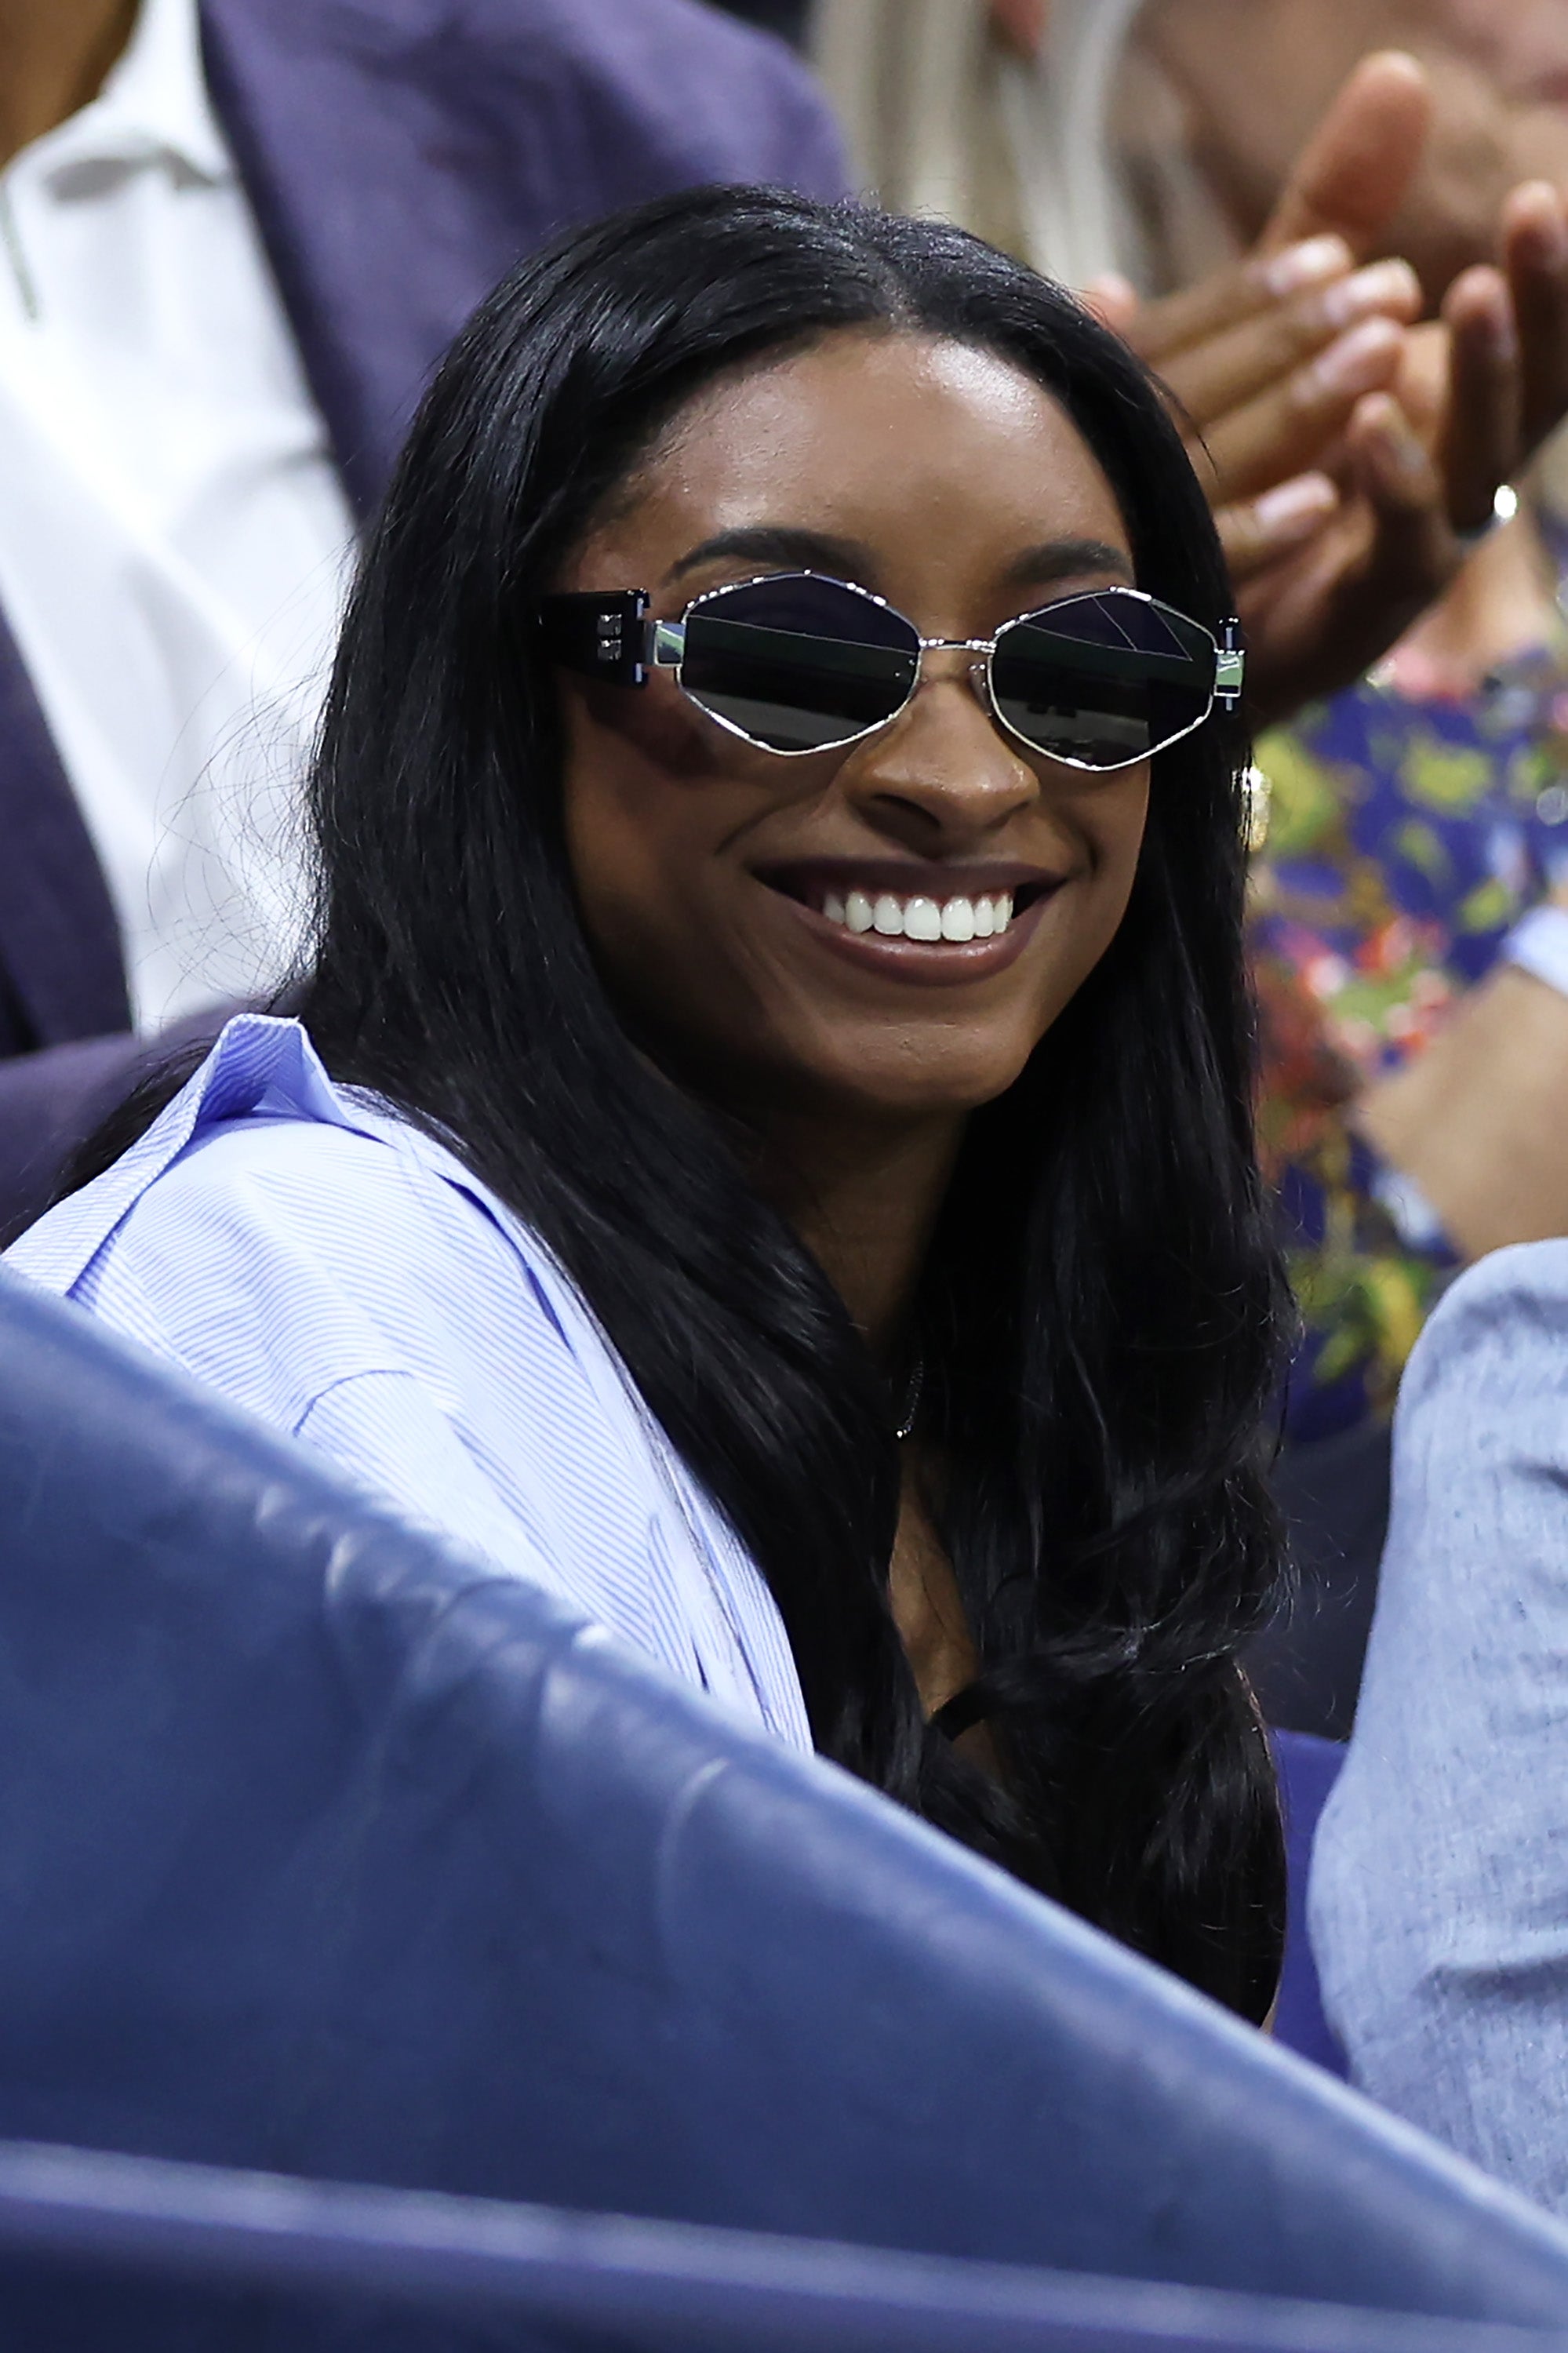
pixel 343 1276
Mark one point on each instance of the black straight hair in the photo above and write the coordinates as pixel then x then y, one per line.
pixel 1102 1303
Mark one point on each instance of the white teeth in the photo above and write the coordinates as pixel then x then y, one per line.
pixel 920 918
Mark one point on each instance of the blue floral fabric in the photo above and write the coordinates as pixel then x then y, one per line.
pixel 1406 838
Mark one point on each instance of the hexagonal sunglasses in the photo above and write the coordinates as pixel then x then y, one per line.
pixel 796 662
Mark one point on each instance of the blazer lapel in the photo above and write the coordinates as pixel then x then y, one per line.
pixel 378 259
pixel 60 937
pixel 379 237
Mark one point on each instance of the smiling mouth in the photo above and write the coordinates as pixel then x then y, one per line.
pixel 869 905
pixel 918 917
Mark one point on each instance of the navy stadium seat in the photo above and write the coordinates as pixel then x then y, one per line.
pixel 328 1852
pixel 162 2250
pixel 1308 1767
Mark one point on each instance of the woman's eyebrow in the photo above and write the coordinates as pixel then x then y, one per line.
pixel 1066 559
pixel 815 550
pixel 811 550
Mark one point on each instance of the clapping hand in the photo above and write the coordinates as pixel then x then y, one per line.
pixel 1348 450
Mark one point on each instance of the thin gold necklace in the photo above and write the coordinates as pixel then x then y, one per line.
pixel 911 1406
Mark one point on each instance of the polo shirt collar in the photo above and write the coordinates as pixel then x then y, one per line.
pixel 154 106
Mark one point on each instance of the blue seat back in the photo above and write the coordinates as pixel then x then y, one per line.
pixel 326 1850
pixel 1309 1768
pixel 134 2255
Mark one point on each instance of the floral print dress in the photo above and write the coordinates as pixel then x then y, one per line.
pixel 1405 839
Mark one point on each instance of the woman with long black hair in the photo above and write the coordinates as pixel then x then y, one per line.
pixel 765 1147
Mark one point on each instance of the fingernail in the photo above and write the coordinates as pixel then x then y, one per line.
pixel 1295 508
pixel 1357 363
pixel 1386 286
pixel 1502 335
pixel 1402 446
pixel 1490 306
pixel 1387 424
pixel 1551 241
pixel 1306 264
pixel 1548 231
pixel 1112 297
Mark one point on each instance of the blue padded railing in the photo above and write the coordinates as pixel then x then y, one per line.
pixel 435 2270
pixel 328 1852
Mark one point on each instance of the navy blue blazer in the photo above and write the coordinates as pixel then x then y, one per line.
pixel 399 156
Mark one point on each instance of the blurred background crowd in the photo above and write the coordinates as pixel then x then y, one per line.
pixel 234 239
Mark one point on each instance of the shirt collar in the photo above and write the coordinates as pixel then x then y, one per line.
pixel 154 106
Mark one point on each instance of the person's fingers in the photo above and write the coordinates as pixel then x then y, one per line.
pixel 1479 444
pixel 1237 292
pixel 1220 375
pixel 1413 553
pixel 1300 619
pixel 1421 388
pixel 1113 300
pixel 1535 253
pixel 1358 165
pixel 1319 618
pixel 1286 429
pixel 1255 532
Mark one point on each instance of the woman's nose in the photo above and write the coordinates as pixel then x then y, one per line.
pixel 943 773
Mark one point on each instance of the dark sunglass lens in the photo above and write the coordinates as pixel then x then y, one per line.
pixel 1104 680
pixel 798 664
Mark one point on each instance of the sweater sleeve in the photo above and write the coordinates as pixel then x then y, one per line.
pixel 1439 1895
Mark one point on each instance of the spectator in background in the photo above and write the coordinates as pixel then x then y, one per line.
pixel 1439 1892
pixel 1418 816
pixel 234 237
pixel 1410 940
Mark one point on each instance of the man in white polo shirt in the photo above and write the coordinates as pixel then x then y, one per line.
pixel 174 534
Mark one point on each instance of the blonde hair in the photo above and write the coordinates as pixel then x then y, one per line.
pixel 940 119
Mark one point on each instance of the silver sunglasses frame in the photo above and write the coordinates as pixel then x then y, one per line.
pixel 667 642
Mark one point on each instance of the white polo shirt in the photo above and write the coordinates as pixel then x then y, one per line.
pixel 174 536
